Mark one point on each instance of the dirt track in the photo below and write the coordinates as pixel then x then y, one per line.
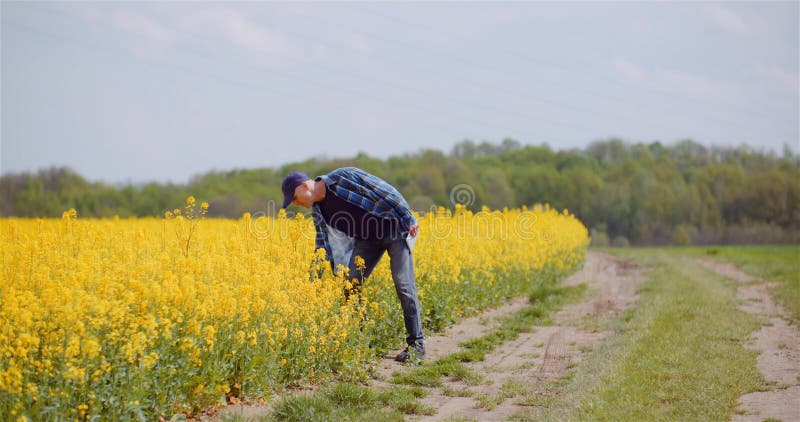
pixel 546 353
pixel 542 355
pixel 778 343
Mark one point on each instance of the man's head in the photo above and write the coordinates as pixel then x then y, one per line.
pixel 293 181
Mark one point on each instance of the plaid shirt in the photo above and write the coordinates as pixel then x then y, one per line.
pixel 363 190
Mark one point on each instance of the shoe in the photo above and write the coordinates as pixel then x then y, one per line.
pixel 412 353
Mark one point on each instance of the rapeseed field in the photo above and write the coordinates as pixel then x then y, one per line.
pixel 150 317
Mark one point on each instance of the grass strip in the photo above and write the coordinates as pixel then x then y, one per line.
pixel 543 300
pixel 678 355
pixel 352 402
pixel 509 389
pixel 774 263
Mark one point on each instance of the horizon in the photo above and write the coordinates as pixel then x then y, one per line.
pixel 449 152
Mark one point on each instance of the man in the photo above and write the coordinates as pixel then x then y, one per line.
pixel 372 217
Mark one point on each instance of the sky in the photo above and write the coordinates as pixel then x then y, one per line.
pixel 130 92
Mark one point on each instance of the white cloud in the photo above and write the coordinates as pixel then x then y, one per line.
pixel 297 8
pixel 173 24
pixel 86 10
pixel 245 33
pixel 726 18
pixel 780 77
pixel 692 85
pixel 674 81
pixel 358 43
pixel 147 36
pixel 150 35
pixel 628 70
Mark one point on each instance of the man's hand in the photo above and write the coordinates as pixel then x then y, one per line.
pixel 412 230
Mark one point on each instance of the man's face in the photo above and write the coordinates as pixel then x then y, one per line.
pixel 303 194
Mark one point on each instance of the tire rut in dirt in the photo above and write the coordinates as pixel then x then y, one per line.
pixel 556 359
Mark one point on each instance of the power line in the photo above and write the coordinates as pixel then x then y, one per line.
pixel 529 58
pixel 202 55
pixel 293 77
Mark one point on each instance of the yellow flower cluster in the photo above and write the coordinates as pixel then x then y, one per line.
pixel 130 317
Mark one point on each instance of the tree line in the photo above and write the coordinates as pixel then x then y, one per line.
pixel 639 193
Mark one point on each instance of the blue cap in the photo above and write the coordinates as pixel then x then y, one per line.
pixel 290 183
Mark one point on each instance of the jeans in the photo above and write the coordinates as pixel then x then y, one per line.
pixel 402 264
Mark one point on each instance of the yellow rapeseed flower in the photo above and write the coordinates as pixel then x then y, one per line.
pixel 164 300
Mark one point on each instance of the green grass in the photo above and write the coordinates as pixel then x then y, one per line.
pixel 457 392
pixel 510 389
pixel 545 393
pixel 776 263
pixel 352 402
pixel 678 355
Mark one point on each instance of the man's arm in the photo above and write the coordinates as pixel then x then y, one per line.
pixel 321 241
